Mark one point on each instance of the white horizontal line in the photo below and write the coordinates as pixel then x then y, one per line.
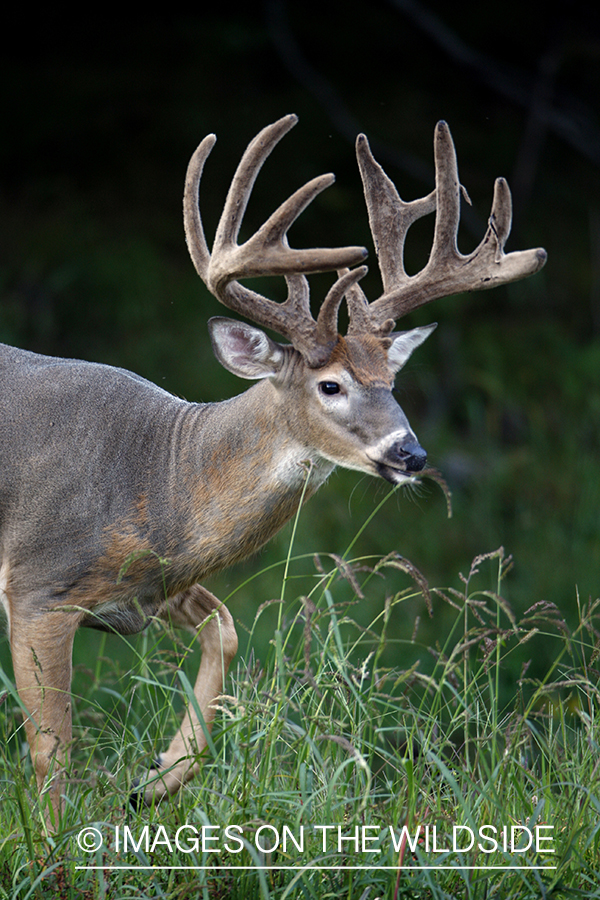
pixel 300 868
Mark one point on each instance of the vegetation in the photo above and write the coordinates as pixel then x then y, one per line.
pixel 405 766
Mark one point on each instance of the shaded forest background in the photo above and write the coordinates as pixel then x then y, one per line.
pixel 99 121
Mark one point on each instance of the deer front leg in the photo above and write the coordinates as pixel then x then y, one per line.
pixel 201 612
pixel 42 644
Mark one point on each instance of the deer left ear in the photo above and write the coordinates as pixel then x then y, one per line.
pixel 404 342
pixel 244 350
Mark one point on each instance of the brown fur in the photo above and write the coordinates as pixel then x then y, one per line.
pixel 366 360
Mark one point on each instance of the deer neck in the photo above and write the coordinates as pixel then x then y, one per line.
pixel 247 474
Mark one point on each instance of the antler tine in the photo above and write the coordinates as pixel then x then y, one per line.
pixel 345 286
pixel 267 252
pixel 255 154
pixel 194 232
pixel 447 270
pixel 390 217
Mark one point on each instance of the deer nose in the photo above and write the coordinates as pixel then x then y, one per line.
pixel 413 456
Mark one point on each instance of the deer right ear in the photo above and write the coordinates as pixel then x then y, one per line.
pixel 404 342
pixel 244 350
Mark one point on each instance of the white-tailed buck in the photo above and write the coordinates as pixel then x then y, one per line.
pixel 100 467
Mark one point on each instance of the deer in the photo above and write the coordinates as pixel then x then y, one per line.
pixel 117 499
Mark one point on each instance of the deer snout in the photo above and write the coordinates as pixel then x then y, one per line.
pixel 411 455
pixel 399 457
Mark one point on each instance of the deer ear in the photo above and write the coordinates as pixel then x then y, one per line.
pixel 243 349
pixel 404 342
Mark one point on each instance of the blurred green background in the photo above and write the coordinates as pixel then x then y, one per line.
pixel 99 120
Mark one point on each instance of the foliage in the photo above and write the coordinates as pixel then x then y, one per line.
pixel 322 733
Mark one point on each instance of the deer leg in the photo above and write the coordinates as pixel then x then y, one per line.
pixel 41 646
pixel 201 612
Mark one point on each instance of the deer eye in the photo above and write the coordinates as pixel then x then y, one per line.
pixel 329 387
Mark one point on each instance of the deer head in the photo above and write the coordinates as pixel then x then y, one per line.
pixel 342 385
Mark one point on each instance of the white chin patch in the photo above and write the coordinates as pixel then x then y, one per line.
pixel 404 477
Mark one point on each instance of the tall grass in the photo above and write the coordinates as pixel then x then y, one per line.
pixel 323 751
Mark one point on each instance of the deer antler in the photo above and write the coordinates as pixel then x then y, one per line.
pixel 447 270
pixel 267 252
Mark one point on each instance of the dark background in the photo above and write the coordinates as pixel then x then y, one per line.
pixel 100 117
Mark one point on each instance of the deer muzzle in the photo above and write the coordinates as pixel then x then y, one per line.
pixel 400 460
pixel 411 455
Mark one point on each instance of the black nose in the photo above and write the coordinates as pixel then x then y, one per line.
pixel 413 456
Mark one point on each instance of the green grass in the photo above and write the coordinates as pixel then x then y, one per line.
pixel 324 731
